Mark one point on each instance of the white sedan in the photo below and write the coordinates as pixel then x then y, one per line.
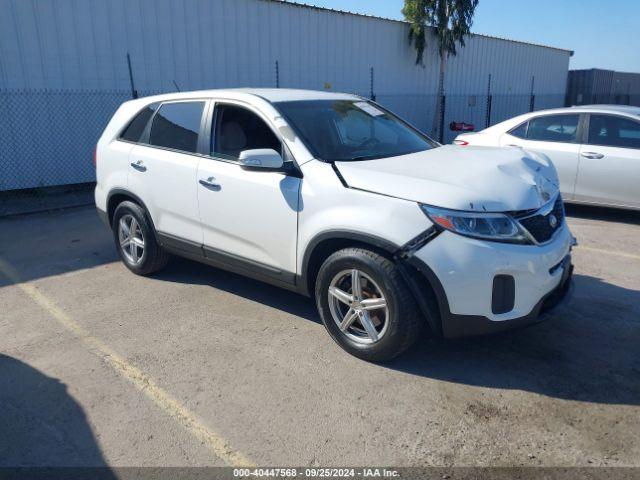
pixel 595 148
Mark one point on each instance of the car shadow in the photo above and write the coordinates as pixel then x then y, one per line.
pixel 604 214
pixel 43 426
pixel 586 351
pixel 187 271
pixel 49 244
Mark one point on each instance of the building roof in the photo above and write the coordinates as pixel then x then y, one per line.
pixel 347 12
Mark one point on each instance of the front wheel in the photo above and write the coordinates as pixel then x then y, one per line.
pixel 366 306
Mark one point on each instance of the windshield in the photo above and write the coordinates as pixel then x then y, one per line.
pixel 349 130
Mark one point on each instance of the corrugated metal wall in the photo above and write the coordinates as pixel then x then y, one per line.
pixel 79 45
pixel 603 86
pixel 72 44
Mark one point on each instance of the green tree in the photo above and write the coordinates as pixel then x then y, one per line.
pixel 450 21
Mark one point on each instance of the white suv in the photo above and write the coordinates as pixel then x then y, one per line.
pixel 332 196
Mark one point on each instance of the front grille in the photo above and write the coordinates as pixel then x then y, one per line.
pixel 542 227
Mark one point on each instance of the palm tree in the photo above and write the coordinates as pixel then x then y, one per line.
pixel 450 21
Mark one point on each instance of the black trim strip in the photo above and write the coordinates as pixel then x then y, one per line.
pixel 340 177
pixel 418 242
pixel 171 242
pixel 230 258
pixel 227 261
pixel 329 235
pixel 136 199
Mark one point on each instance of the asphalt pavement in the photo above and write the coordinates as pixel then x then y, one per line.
pixel 196 366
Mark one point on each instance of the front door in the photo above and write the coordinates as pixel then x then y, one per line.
pixel 249 218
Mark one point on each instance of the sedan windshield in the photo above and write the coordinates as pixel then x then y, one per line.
pixel 350 130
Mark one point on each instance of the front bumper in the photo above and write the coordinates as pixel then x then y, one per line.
pixel 468 325
pixel 462 270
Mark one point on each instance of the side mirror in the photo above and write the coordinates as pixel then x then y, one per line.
pixel 261 159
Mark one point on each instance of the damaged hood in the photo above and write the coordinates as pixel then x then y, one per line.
pixel 484 179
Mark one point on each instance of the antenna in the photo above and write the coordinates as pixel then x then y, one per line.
pixel 134 92
pixel 177 87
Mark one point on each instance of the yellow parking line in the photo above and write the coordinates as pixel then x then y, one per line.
pixel 138 378
pixel 609 252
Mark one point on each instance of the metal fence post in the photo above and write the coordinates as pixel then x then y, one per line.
pixel 487 120
pixel 532 101
pixel 277 75
pixel 441 119
pixel 372 95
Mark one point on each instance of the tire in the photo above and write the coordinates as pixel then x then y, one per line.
pixel 148 258
pixel 381 283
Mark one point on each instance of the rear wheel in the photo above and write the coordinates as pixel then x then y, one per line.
pixel 136 241
pixel 366 306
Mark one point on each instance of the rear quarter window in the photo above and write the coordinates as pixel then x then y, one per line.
pixel 134 130
pixel 520 131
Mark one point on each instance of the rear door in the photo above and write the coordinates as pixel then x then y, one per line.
pixel 163 170
pixel 610 162
pixel 557 137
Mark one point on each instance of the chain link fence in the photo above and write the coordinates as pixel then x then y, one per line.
pixel 49 135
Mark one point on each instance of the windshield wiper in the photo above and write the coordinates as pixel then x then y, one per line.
pixel 364 157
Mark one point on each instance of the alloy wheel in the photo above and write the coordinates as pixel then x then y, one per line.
pixel 358 306
pixel 131 239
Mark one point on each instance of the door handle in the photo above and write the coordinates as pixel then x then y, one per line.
pixel 514 145
pixel 139 166
pixel 592 155
pixel 210 184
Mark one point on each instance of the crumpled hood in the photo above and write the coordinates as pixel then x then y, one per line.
pixel 485 179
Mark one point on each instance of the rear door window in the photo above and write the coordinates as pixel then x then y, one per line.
pixel 177 126
pixel 554 128
pixel 612 131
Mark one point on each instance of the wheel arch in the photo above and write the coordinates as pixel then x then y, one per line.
pixel 326 243
pixel 424 284
pixel 119 195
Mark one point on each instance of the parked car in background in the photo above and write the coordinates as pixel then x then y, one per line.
pixel 595 148
pixel 333 196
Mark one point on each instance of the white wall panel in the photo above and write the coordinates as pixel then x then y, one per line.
pixel 67 58
pixel 82 44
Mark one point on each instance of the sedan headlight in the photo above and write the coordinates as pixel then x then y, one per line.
pixel 487 226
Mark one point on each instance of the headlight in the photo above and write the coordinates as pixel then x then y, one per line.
pixel 488 226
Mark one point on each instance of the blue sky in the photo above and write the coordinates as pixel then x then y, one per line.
pixel 602 34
